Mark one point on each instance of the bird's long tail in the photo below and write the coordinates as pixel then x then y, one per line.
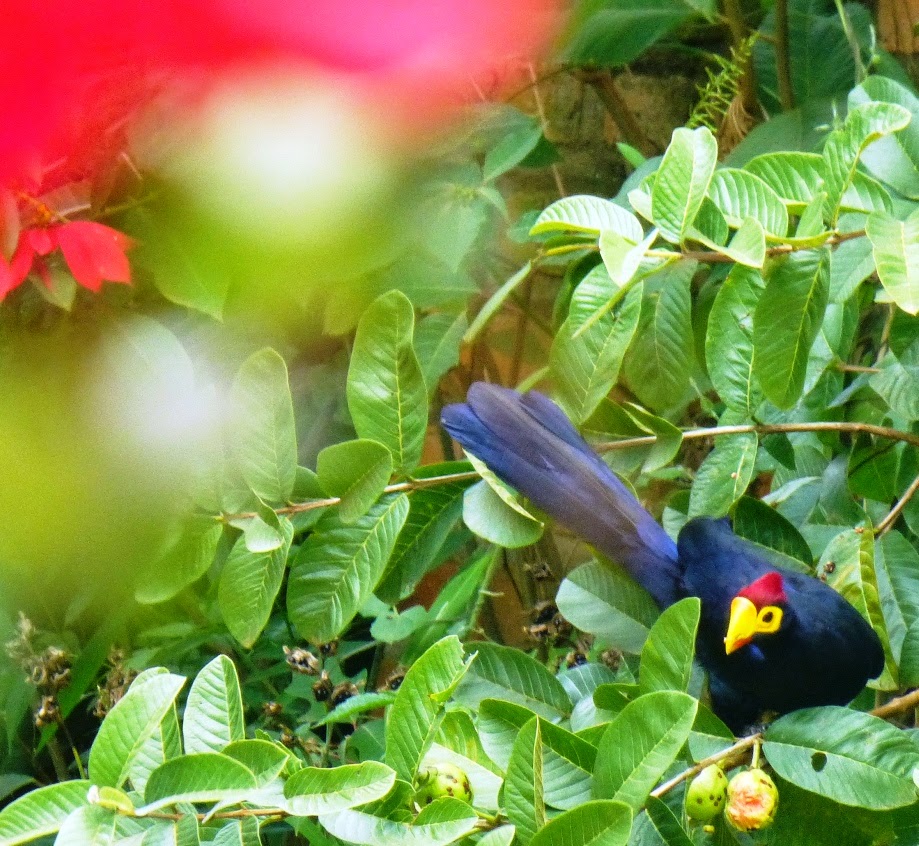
pixel 528 442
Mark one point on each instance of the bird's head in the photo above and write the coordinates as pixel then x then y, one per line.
pixel 756 610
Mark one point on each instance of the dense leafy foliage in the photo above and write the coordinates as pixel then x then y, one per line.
pixel 739 335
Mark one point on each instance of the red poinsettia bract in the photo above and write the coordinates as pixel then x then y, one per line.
pixel 95 253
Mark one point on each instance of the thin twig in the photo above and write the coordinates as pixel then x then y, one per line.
pixel 544 121
pixel 897 706
pixel 854 368
pixel 887 523
pixel 732 751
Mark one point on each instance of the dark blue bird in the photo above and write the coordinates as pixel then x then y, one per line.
pixel 771 639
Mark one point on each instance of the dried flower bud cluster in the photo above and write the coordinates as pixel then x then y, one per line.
pixel 115 685
pixel 302 661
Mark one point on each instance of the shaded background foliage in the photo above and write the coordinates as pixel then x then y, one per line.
pixel 239 454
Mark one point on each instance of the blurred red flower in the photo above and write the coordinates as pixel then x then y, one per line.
pixel 93 252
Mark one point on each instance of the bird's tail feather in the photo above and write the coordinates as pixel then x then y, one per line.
pixel 529 443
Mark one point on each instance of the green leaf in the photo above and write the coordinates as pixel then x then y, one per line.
pixel 312 791
pixel 415 716
pixel 265 759
pixel 895 158
pixel 501 672
pixel 591 215
pixel 666 825
pixel 523 786
pixel 724 475
pixel 433 513
pixel 682 181
pixel 851 263
pixel 214 712
pixel 612 34
pixel 602 600
pixel 263 437
pixel 249 584
pixel 202 777
pixel 774 535
pixel 897 573
pixel 847 756
pixel 896 254
pixel 568 764
pixel 40 812
pixel 854 577
pixel 617 421
pixel 495 301
pixel 186 562
pixel 98 826
pixel 741 195
pixel 585 365
pixel 489 516
pixel 666 659
pixel 622 259
pixel 660 359
pixel 786 322
pixel 393 626
pixel 134 720
pixel 498 723
pixel 357 471
pixel 437 343
pixel 640 744
pixel 387 396
pixel 863 125
pixel 519 136
pixel 596 823
pixel 242 832
pixel 729 349
pixel 440 823
pixel 338 567
pixel 795 177
pixel 352 707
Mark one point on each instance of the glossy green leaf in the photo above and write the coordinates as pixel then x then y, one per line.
pixel 186 562
pixel 591 215
pixel 893 159
pixel 501 672
pixel 498 723
pixel 263 437
pixel 249 584
pixel 682 181
pixel 98 826
pixel 640 744
pixel 387 396
pixel 357 471
pixel 585 365
pixel 854 577
pixel 418 710
pixel 602 600
pixel 667 656
pixel 127 727
pixel 864 124
pixel 895 246
pixel 440 823
pixel 524 797
pixel 338 567
pixel 202 777
pixel 213 715
pixel 315 790
pixel 437 343
pixel 897 573
pixel 433 513
pixel 40 812
pixel 847 756
pixel 491 517
pixel 265 759
pixel 660 359
pixel 740 194
pixel 774 535
pixel 614 421
pixel 729 349
pixel 724 475
pixel 595 823
pixel 786 322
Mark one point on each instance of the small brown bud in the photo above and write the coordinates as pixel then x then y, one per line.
pixel 272 709
pixel 322 687
pixel 48 713
pixel 342 693
pixel 302 661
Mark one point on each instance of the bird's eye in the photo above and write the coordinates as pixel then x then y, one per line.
pixel 767 617
pixel 768 620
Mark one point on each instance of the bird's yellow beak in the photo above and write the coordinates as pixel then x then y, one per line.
pixel 742 625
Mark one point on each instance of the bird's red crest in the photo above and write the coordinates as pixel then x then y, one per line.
pixel 766 590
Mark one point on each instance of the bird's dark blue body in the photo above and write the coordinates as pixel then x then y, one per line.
pixel 824 651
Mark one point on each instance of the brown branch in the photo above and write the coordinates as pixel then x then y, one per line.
pixel 887 523
pixel 897 706
pixel 739 749
pixel 603 83
pixel 782 58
